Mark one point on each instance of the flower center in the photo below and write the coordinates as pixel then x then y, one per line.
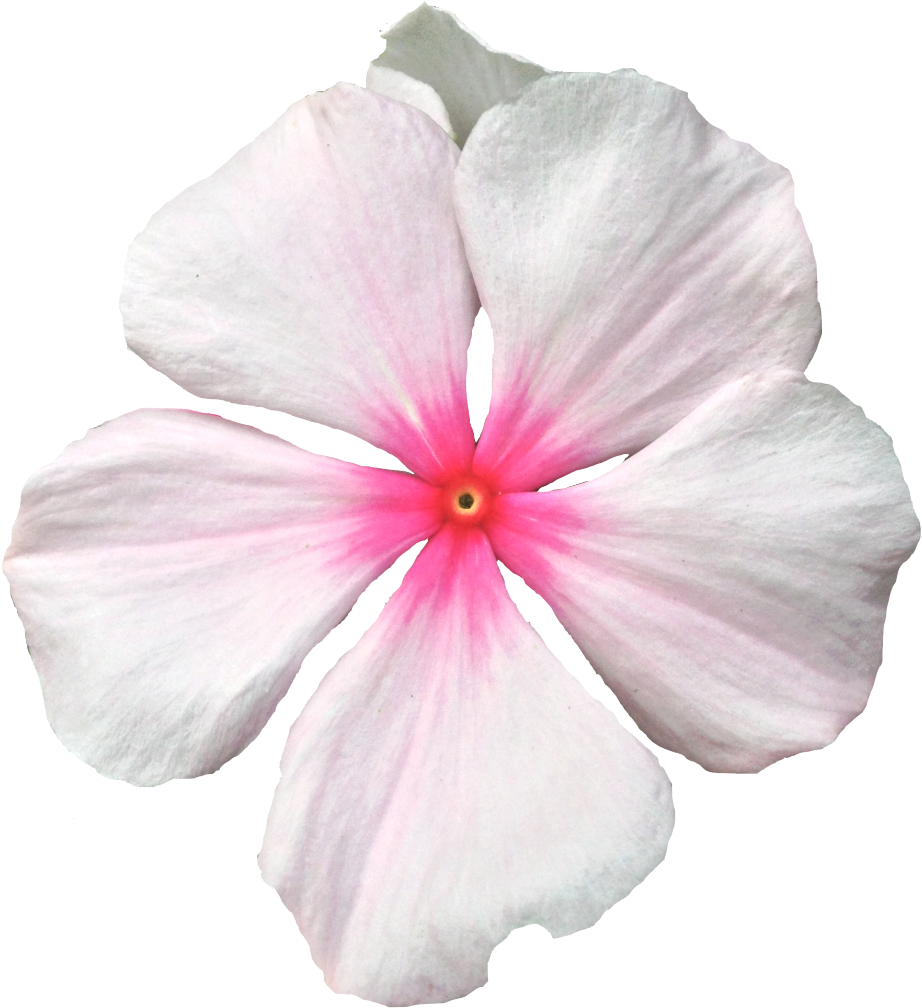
pixel 466 500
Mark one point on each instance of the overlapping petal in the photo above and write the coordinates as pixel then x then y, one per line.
pixel 448 782
pixel 320 272
pixel 729 582
pixel 403 87
pixel 173 569
pixel 431 45
pixel 632 259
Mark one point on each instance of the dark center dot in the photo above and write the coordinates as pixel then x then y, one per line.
pixel 466 501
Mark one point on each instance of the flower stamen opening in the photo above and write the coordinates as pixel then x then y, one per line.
pixel 466 500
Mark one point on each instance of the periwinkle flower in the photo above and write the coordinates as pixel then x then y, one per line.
pixel 652 293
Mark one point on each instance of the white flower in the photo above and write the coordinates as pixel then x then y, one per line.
pixel 652 292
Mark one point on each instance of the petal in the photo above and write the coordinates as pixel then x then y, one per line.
pixel 320 272
pixel 632 259
pixel 729 582
pixel 448 782
pixel 431 45
pixel 404 88
pixel 173 569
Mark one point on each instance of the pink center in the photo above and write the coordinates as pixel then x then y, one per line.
pixel 466 500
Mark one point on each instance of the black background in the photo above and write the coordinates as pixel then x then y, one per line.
pixel 786 879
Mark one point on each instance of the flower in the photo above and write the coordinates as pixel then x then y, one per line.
pixel 652 293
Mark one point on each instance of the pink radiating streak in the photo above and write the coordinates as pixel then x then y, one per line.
pixel 521 448
pixel 526 528
pixel 433 438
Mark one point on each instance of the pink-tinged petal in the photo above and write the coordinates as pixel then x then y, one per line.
pixel 320 272
pixel 402 87
pixel 632 259
pixel 431 45
pixel 730 581
pixel 172 570
pixel 450 781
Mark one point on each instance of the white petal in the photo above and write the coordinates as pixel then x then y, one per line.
pixel 448 782
pixel 320 272
pixel 730 581
pixel 173 569
pixel 404 88
pixel 632 259
pixel 431 45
